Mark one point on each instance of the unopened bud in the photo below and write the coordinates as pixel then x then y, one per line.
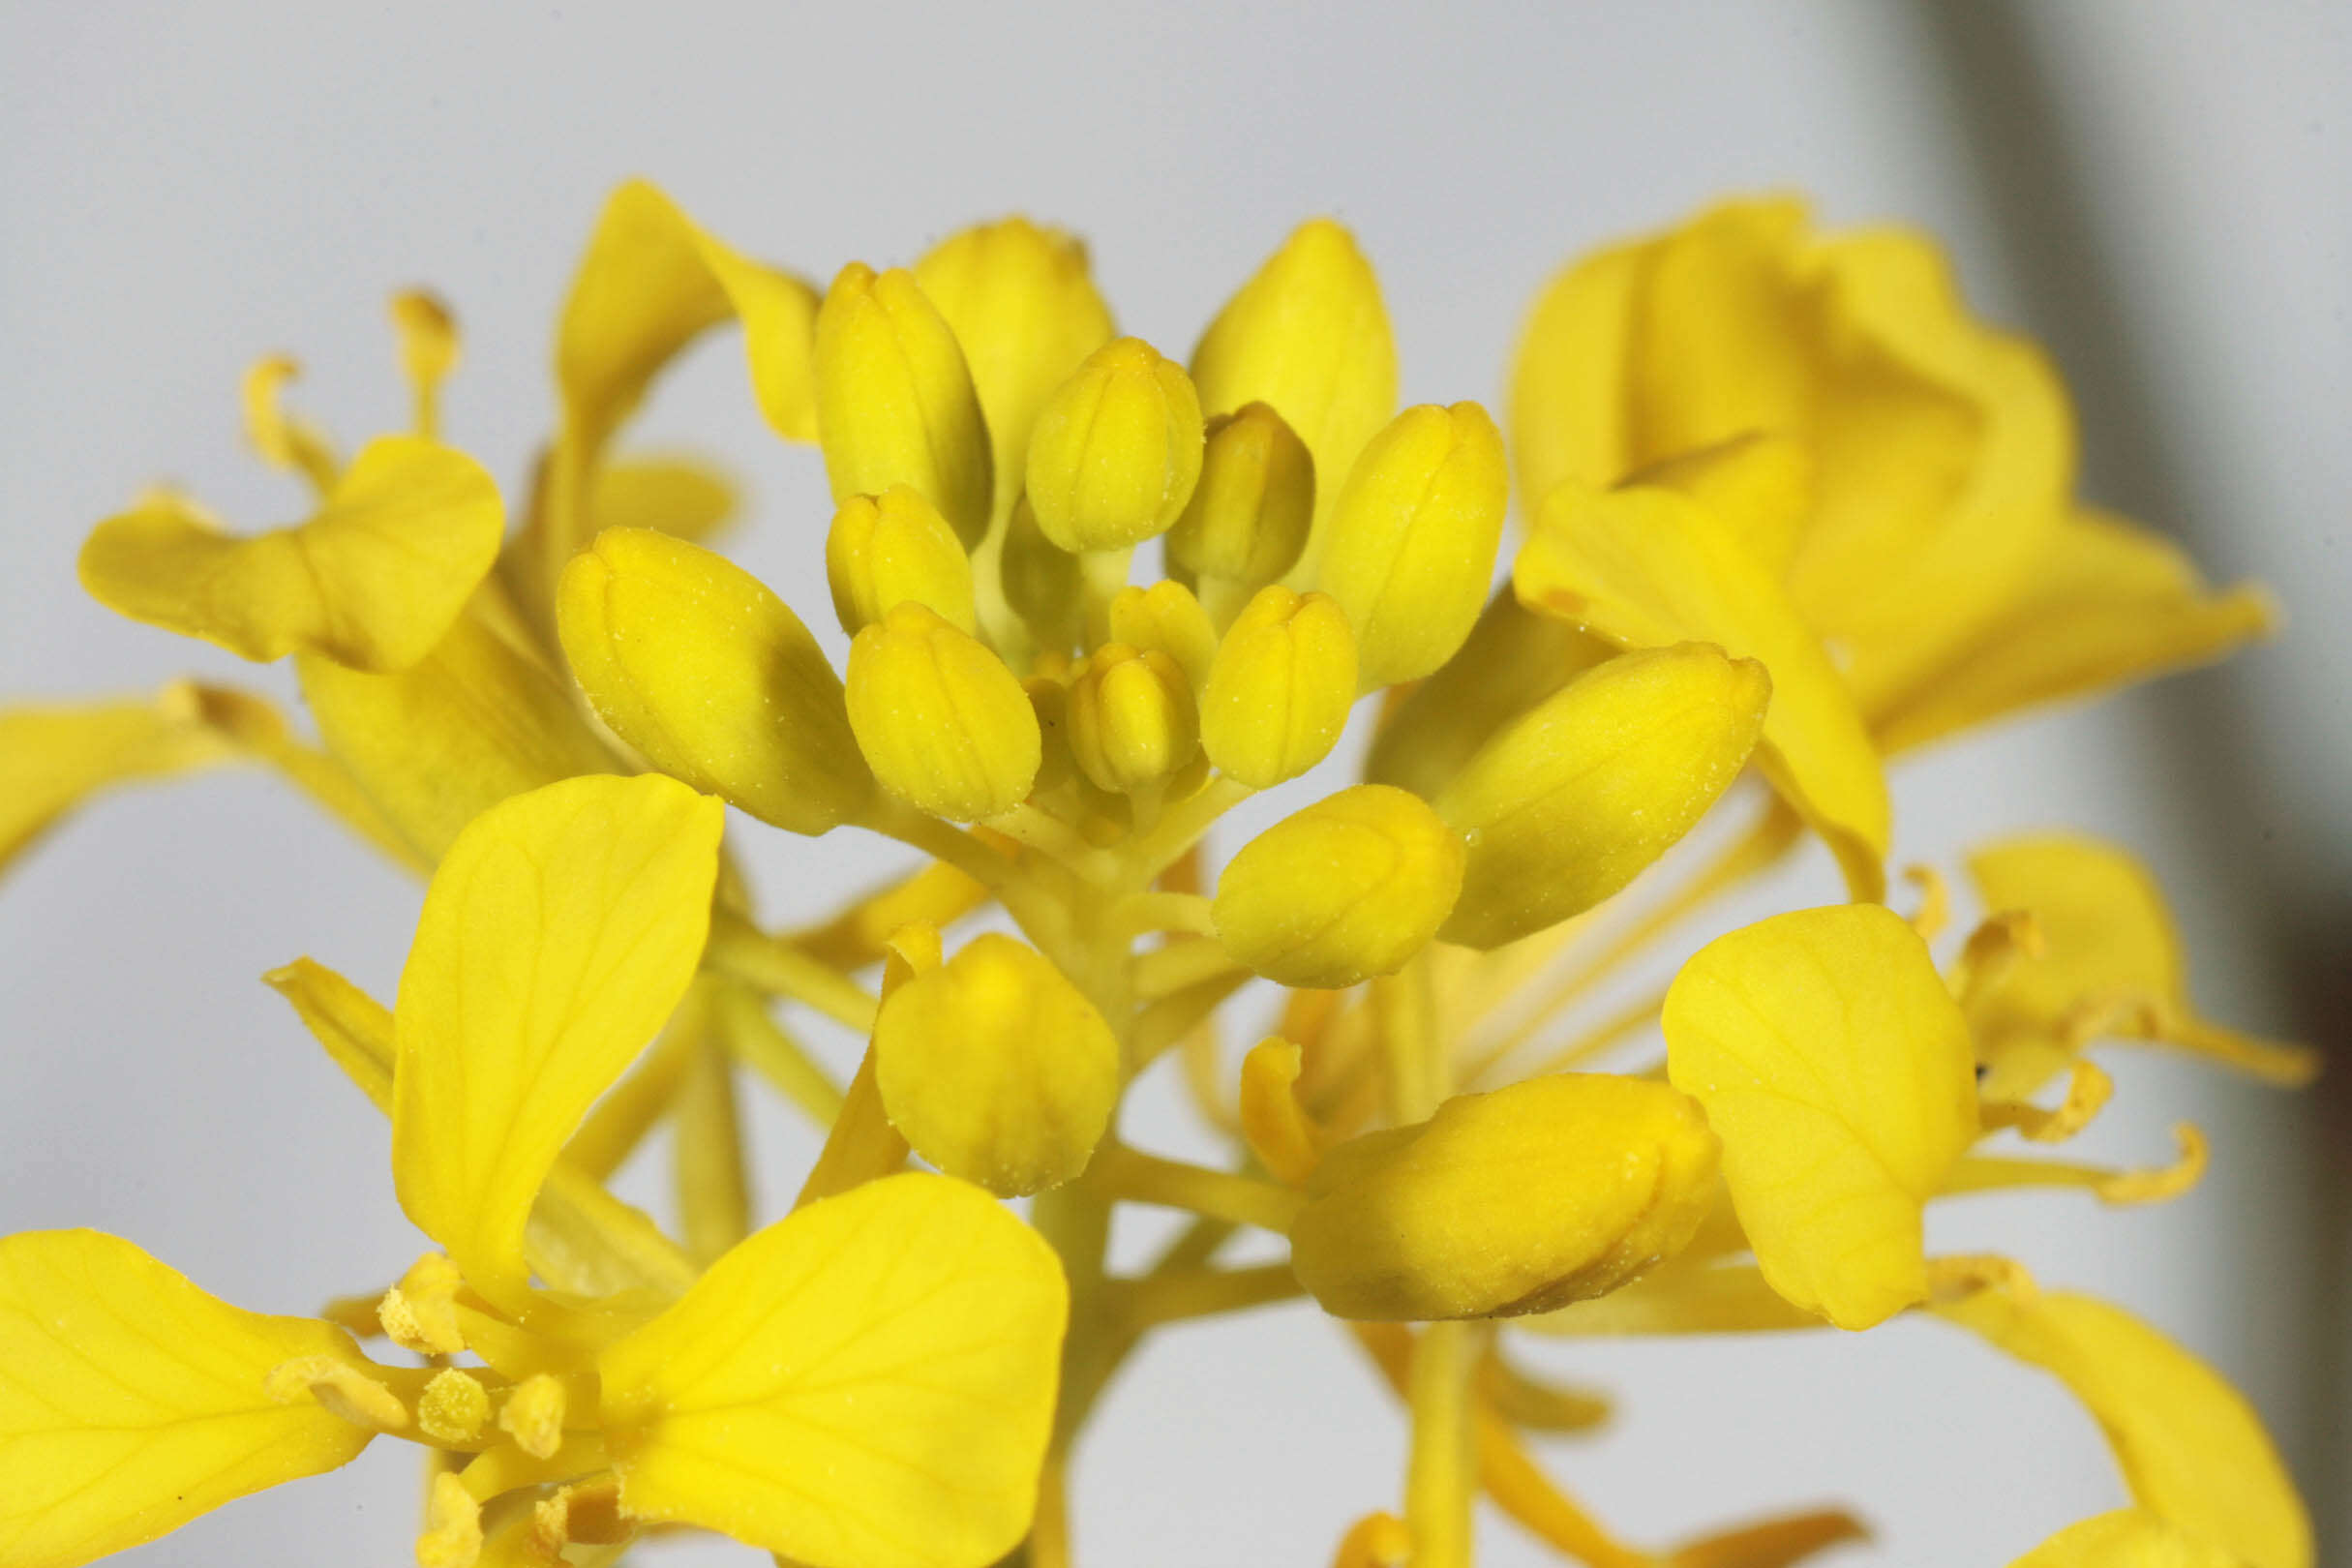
pixel 1027 314
pixel 886 549
pixel 1132 722
pixel 1043 582
pixel 1167 616
pixel 1350 888
pixel 695 663
pixel 942 723
pixel 1116 450
pixel 996 1070
pixel 895 404
pixel 1568 802
pixel 1549 1192
pixel 1279 693
pixel 1249 517
pixel 1309 336
pixel 1408 549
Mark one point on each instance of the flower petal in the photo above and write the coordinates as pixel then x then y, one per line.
pixel 372 581
pixel 2107 603
pixel 1647 566
pixel 1837 1070
pixel 2191 1448
pixel 867 1384
pixel 55 758
pixel 559 933
pixel 2128 1538
pixel 433 746
pixel 130 1402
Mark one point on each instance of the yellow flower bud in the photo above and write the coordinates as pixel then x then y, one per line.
pixel 944 724
pixel 1408 549
pixel 1248 520
pixel 1167 616
pixel 1132 723
pixel 1116 450
pixel 1349 888
pixel 1027 314
pixel 996 1070
pixel 1566 803
pixel 895 400
pixel 1513 659
pixel 886 549
pixel 1308 335
pixel 1279 693
pixel 695 663
pixel 1553 1190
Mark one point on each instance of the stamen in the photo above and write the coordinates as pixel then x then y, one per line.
pixel 1935 910
pixel 2167 1183
pixel 2000 942
pixel 534 1415
pixel 427 350
pixel 1276 1126
pixel 2088 1092
pixel 420 1313
pixel 1953 1279
pixel 1374 1541
pixel 454 1408
pixel 585 1514
pixel 341 1387
pixel 285 441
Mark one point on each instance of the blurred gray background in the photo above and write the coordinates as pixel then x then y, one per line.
pixel 2160 189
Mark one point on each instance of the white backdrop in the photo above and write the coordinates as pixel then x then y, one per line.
pixel 184 188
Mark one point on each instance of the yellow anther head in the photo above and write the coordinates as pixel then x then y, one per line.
pixel 1249 517
pixel 895 404
pixel 1408 549
pixel 1132 723
pixel 454 1408
pixel 1280 686
pixel 887 549
pixel 1349 888
pixel 534 1414
pixel 693 661
pixel 341 1387
pixel 420 1313
pixel 428 346
pixel 1553 1190
pixel 1165 617
pixel 996 1070
pixel 1116 451
pixel 944 724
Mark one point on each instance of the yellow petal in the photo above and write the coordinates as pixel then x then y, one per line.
pixel 559 932
pixel 996 1069
pixel 895 404
pixel 1838 1071
pixel 651 283
pixel 2128 1538
pixel 1566 805
pixel 866 1384
pixel 2105 603
pixel 1116 450
pixel 693 661
pixel 1572 407
pixel 941 720
pixel 1280 687
pixel 1025 309
pixel 2110 963
pixel 1351 886
pixel 1644 567
pixel 1409 547
pixel 476 720
pixel 53 758
pixel 1309 336
pixel 1553 1190
pixel 130 1402
pixel 1760 487
pixel 1513 659
pixel 2191 1448
pixel 372 581
pixel 680 495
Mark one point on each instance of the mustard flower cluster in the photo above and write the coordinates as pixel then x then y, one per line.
pixel 1791 512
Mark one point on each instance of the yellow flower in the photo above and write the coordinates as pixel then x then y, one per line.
pixel 1788 504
